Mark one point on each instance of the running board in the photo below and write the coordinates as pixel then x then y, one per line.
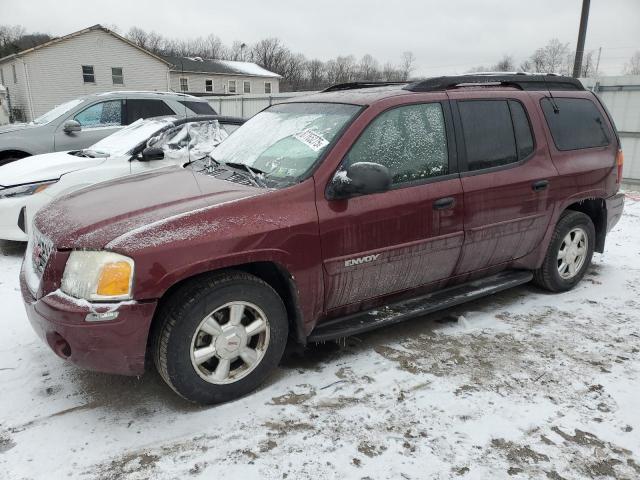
pixel 419 306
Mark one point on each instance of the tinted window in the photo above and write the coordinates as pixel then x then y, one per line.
pixel 200 108
pixel 522 129
pixel 577 124
pixel 87 74
pixel 488 133
pixel 104 114
pixel 137 109
pixel 410 141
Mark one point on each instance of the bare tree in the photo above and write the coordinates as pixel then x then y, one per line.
pixel 407 65
pixel 138 36
pixel 368 69
pixel 632 67
pixel 315 74
pixel 506 64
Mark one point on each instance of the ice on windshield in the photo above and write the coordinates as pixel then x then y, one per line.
pixel 125 140
pixel 57 111
pixel 193 140
pixel 286 140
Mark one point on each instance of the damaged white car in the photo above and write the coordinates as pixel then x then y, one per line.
pixel 28 184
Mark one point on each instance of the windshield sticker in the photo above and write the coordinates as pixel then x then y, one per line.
pixel 312 140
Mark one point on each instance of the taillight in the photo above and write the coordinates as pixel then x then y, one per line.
pixel 619 163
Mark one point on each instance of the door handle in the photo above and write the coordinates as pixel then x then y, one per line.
pixel 443 203
pixel 540 185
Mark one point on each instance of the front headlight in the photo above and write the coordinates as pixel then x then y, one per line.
pixel 98 276
pixel 24 190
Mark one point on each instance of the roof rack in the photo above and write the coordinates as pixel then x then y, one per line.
pixel 523 81
pixel 355 85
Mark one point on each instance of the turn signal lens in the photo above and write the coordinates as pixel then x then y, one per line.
pixel 619 163
pixel 115 279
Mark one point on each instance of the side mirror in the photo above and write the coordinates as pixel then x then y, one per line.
pixel 360 179
pixel 71 126
pixel 152 153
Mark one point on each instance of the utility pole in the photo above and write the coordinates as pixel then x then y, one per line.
pixel 582 33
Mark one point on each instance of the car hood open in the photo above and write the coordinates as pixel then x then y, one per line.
pixel 92 217
pixel 39 168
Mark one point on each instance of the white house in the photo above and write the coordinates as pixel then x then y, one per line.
pixel 97 59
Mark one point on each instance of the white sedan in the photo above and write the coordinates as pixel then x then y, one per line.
pixel 28 184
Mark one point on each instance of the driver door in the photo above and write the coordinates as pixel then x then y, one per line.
pixel 409 236
pixel 97 121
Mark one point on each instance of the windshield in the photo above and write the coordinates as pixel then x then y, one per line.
pixel 125 140
pixel 285 140
pixel 57 111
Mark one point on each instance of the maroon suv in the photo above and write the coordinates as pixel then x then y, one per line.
pixel 318 212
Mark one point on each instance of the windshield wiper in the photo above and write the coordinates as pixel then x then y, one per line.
pixel 242 168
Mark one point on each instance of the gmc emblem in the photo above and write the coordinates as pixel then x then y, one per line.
pixel 357 261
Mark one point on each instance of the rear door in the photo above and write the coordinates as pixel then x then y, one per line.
pixel 380 244
pixel 506 176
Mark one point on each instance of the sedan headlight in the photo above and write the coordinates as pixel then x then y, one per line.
pixel 24 190
pixel 98 276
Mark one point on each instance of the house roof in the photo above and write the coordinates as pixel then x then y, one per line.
pixel 55 40
pixel 217 67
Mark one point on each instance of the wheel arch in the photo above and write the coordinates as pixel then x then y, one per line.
pixel 596 210
pixel 13 153
pixel 273 273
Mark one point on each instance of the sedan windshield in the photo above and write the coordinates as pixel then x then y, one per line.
pixel 125 140
pixel 57 111
pixel 285 141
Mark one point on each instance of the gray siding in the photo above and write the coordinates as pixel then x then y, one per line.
pixel 221 82
pixel 55 72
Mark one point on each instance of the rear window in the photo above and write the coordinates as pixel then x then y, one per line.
pixel 576 125
pixel 199 108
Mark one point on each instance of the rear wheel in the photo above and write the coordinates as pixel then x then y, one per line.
pixel 220 337
pixel 569 254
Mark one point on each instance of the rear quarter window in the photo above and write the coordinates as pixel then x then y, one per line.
pixel 575 124
pixel 199 108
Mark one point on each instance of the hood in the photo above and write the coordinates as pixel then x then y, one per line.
pixel 12 127
pixel 38 168
pixel 92 217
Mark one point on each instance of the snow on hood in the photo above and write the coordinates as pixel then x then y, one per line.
pixel 48 166
pixel 95 216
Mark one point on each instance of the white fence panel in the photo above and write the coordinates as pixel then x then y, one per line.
pixel 248 105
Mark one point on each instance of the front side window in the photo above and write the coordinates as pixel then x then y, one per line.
pixel 285 141
pixel 410 141
pixel 144 108
pixel 267 87
pixel 488 133
pixel 232 86
pixel 246 87
pixel 184 84
pixel 87 74
pixel 575 123
pixel 103 114
pixel 117 77
pixel 208 85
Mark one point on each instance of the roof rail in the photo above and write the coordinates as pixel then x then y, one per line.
pixel 355 85
pixel 523 81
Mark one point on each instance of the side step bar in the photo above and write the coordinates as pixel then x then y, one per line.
pixel 419 306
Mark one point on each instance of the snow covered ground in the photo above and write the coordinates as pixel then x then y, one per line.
pixel 520 385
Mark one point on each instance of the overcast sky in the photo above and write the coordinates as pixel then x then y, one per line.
pixel 445 36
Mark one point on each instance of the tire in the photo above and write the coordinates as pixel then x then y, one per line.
pixel 192 351
pixel 556 274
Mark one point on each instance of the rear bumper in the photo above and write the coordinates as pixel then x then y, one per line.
pixel 115 346
pixel 615 205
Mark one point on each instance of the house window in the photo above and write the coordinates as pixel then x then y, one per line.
pixel 1 77
pixel 117 77
pixel 208 85
pixel 87 74
pixel 246 87
pixel 15 75
pixel 184 84
pixel 267 87
pixel 232 86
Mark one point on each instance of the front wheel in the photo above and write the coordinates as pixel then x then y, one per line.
pixel 569 254
pixel 220 337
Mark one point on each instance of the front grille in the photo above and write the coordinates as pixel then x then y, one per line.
pixel 40 252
